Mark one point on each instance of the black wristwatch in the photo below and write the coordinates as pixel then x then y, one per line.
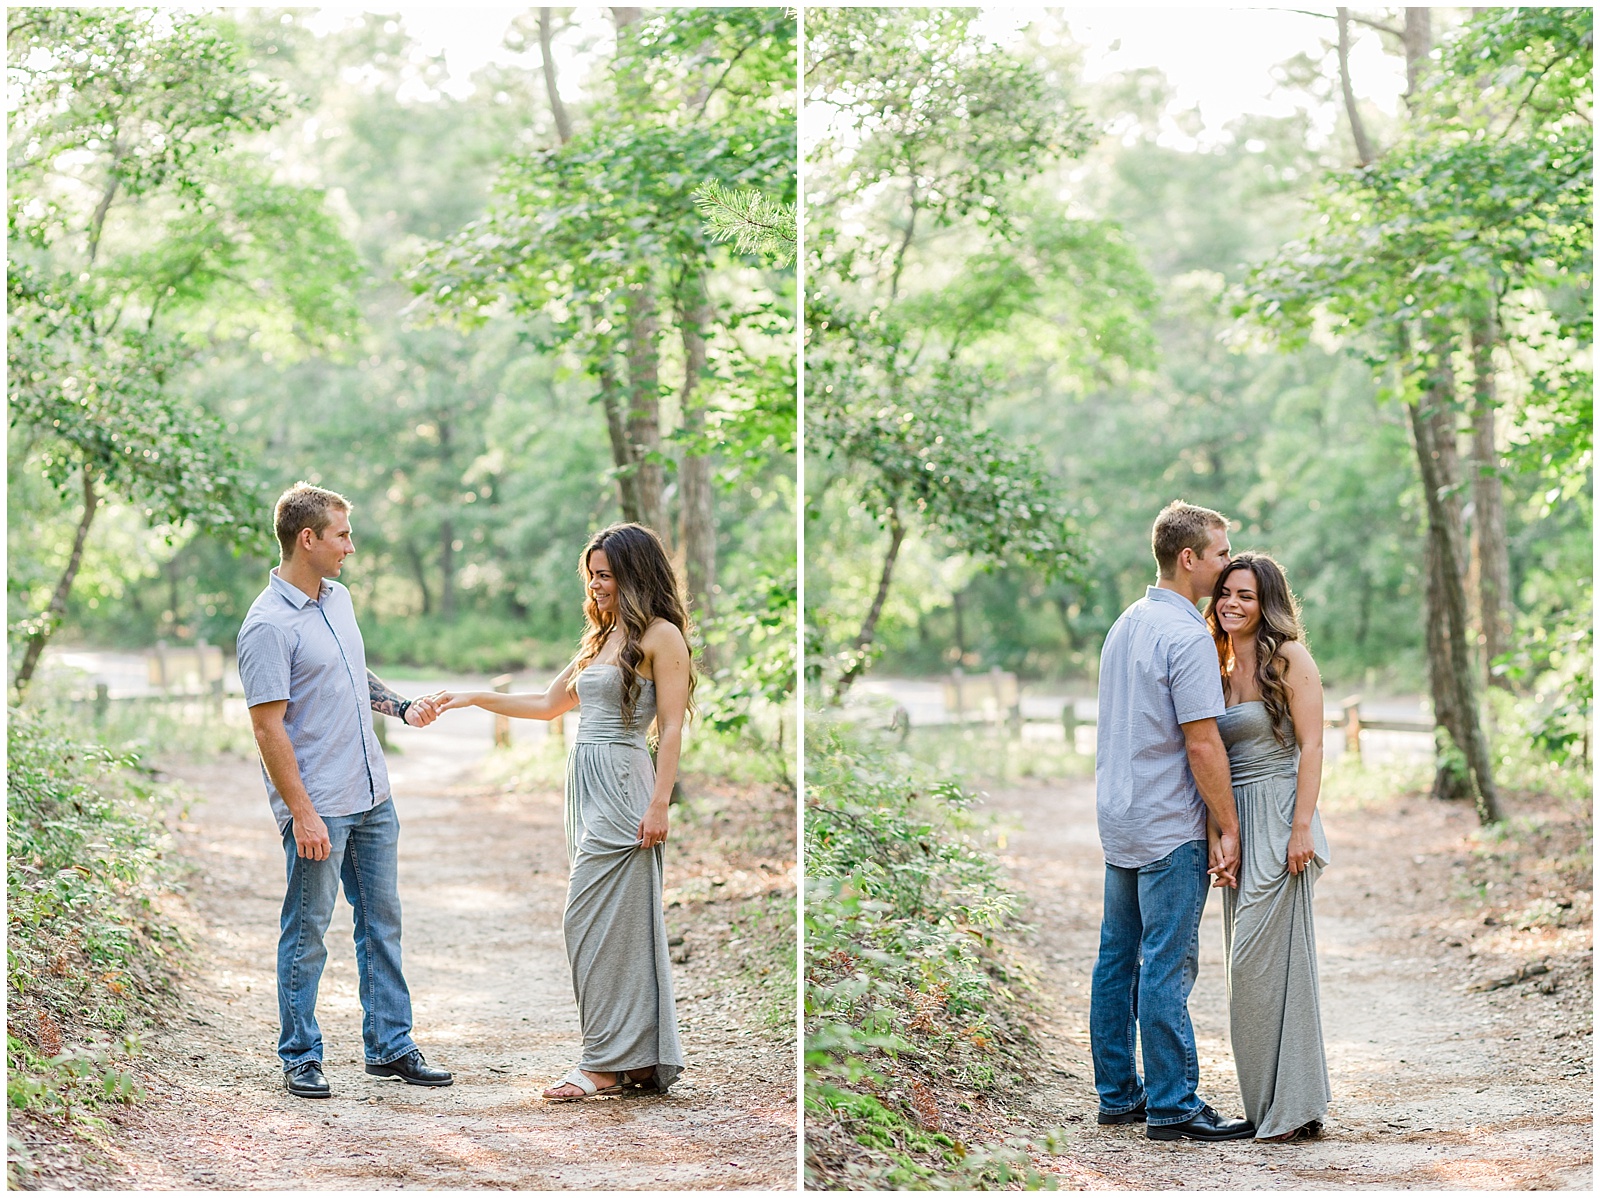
pixel 405 706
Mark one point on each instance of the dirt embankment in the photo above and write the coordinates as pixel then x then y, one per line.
pixel 482 881
pixel 1445 1073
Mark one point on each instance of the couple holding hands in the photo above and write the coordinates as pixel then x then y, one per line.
pixel 303 667
pixel 1207 771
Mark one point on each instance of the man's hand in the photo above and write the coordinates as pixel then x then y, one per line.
pixel 1223 851
pixel 653 827
pixel 311 837
pixel 423 711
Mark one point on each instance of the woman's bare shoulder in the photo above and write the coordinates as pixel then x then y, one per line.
pixel 663 636
pixel 1298 658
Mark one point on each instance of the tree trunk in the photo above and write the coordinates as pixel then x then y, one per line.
pixel 447 570
pixel 699 535
pixel 420 573
pixel 1358 129
pixel 1434 425
pixel 1488 504
pixel 614 401
pixel 46 625
pixel 1418 41
pixel 644 406
pixel 869 626
pixel 1454 676
pixel 557 108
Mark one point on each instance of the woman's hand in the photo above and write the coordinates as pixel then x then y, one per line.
pixel 452 700
pixel 1300 850
pixel 1220 876
pixel 653 827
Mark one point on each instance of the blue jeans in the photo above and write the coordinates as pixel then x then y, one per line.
pixel 363 856
pixel 1149 959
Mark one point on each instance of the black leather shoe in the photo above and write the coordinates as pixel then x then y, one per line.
pixel 1134 1116
pixel 1205 1124
pixel 412 1070
pixel 306 1081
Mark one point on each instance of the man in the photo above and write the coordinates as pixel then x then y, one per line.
pixel 1160 766
pixel 307 684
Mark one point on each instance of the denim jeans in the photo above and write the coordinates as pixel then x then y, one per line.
pixel 363 856
pixel 1149 958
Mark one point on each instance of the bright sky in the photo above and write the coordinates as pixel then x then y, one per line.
pixel 471 37
pixel 1220 59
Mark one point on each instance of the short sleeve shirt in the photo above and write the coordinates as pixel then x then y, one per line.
pixel 1158 671
pixel 309 651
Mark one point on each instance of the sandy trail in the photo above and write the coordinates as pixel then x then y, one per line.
pixel 482 881
pixel 1434 1087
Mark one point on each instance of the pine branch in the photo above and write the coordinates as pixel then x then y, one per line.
pixel 755 224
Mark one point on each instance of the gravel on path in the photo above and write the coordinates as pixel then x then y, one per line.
pixel 1434 1086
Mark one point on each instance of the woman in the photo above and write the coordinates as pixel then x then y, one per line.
pixel 1273 731
pixel 632 666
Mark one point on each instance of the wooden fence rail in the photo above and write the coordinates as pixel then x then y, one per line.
pixel 996 697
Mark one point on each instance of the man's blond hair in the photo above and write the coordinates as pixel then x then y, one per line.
pixel 1182 526
pixel 304 506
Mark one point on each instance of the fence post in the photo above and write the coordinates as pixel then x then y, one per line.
pixel 1352 726
pixel 162 679
pixel 102 702
pixel 380 729
pixel 1069 724
pixel 502 723
pixel 961 698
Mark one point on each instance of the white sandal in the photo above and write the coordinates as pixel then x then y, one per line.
pixel 580 1079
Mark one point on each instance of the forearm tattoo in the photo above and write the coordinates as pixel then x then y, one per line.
pixel 384 701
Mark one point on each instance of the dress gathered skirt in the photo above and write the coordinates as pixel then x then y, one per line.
pixel 616 933
pixel 1269 938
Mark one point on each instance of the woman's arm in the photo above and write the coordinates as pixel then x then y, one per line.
pixel 1305 705
pixel 530 705
pixel 668 656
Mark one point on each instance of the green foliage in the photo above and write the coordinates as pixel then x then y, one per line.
pixel 924 457
pixel 755 224
pixel 142 234
pixel 1554 663
pixel 89 954
pixel 905 987
pixel 938 275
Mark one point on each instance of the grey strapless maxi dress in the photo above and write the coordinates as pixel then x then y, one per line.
pixel 615 931
pixel 1274 1011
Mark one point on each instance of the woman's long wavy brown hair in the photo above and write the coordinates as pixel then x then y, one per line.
pixel 1280 623
pixel 647 590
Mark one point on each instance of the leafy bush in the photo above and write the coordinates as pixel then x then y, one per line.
pixel 88 952
pixel 907 993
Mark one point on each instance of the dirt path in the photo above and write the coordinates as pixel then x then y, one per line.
pixel 1434 1087
pixel 482 880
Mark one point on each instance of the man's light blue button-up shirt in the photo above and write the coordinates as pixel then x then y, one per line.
pixel 1158 670
pixel 309 651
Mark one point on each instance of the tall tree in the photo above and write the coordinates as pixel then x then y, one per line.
pixel 1485 201
pixel 141 234
pixel 600 240
pixel 897 390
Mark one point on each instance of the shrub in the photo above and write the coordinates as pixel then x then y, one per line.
pixel 907 993
pixel 88 952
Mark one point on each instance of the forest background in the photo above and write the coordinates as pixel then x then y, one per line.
pixel 1041 303
pixel 251 246
pixel 495 322
pixel 1059 283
